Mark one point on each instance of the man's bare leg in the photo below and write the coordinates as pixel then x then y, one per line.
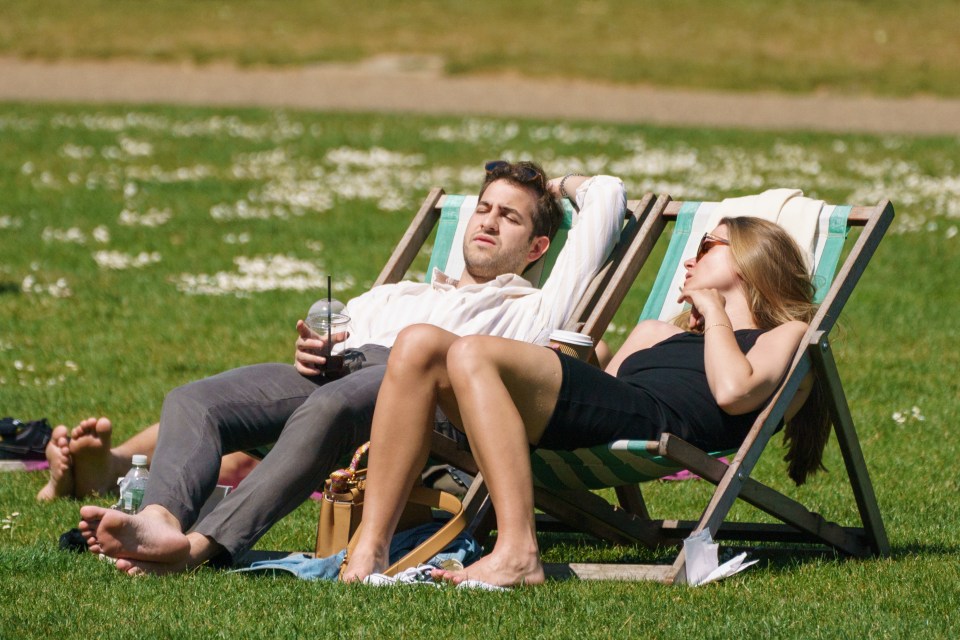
pixel 234 467
pixel 143 443
pixel 58 455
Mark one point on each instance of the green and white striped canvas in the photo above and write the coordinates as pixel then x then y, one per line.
pixel 631 461
pixel 697 218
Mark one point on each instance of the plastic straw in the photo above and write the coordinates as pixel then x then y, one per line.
pixel 329 319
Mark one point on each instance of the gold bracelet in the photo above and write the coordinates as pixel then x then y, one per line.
pixel 718 324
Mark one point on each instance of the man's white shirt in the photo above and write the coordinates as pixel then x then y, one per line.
pixel 508 306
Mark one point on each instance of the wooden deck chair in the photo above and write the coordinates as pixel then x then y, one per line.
pixel 563 479
pixel 449 215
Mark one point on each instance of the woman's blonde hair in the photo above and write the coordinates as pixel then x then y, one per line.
pixel 778 288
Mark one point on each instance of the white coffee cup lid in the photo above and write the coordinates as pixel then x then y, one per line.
pixel 571 337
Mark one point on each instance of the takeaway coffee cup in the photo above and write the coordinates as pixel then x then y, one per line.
pixel 327 325
pixel 578 345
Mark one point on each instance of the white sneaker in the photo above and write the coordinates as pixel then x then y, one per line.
pixel 420 575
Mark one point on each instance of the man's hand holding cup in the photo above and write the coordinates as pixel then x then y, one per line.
pixel 316 342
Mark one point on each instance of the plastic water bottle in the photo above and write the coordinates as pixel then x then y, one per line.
pixel 133 485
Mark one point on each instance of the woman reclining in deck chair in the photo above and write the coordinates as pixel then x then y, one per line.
pixel 751 299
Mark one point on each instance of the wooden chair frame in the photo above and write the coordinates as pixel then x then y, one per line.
pixel 630 522
pixel 592 315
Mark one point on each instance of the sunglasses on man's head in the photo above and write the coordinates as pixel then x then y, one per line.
pixel 708 242
pixel 522 172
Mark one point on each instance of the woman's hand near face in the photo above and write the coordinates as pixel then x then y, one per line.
pixel 705 303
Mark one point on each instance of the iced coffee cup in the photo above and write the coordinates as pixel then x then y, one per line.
pixel 578 345
pixel 333 328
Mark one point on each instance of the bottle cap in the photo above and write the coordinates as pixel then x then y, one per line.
pixel 139 460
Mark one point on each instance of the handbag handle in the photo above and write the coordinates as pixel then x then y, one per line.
pixel 341 478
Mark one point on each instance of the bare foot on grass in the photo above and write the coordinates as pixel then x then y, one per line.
pixel 362 563
pixel 95 467
pixel 58 455
pixel 500 570
pixel 145 568
pixel 153 535
pixel 202 549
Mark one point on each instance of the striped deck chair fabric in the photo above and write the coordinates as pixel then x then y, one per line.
pixel 449 213
pixel 820 230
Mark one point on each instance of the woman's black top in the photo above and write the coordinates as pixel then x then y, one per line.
pixel 662 389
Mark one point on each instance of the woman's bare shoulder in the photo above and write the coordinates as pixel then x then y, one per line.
pixel 788 333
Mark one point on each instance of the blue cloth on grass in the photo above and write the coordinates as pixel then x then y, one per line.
pixel 464 548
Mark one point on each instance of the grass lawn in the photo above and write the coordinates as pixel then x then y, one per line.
pixel 147 247
pixel 891 47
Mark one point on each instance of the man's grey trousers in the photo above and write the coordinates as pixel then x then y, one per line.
pixel 314 423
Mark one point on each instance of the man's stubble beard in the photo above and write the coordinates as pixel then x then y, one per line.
pixel 489 267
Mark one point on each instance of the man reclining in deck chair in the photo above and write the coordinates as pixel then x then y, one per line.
pixel 751 299
pixel 315 420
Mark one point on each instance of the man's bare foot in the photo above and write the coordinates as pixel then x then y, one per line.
pixel 58 455
pixel 144 568
pixel 152 535
pixel 201 550
pixel 95 467
pixel 500 570
pixel 362 563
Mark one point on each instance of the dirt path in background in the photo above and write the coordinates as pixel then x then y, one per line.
pixel 389 86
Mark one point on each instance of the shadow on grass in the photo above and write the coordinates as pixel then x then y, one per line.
pixel 9 288
pixel 563 548
pixel 919 549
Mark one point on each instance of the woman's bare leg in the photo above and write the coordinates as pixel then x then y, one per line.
pixel 603 354
pixel 400 440
pixel 506 392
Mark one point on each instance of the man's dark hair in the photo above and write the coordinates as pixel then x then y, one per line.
pixel 548 213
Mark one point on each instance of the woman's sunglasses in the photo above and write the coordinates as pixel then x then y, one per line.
pixel 708 242
pixel 522 172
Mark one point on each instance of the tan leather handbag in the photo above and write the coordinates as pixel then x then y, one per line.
pixel 341 511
